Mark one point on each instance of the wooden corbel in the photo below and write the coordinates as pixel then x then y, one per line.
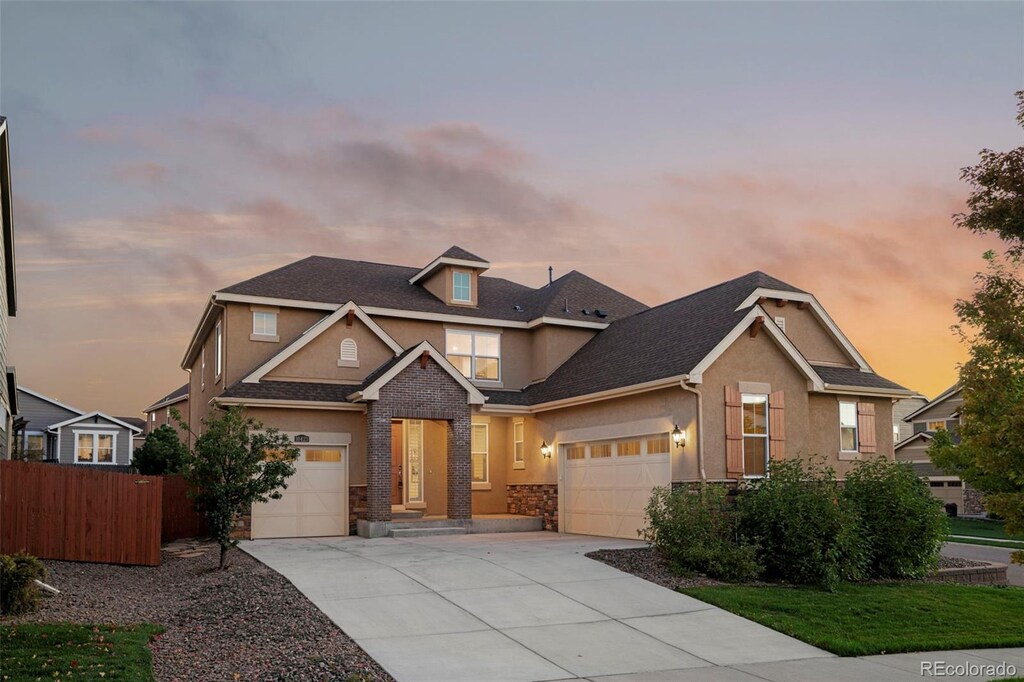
pixel 424 356
pixel 350 318
pixel 755 326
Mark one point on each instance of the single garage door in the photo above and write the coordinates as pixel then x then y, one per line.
pixel 949 491
pixel 608 483
pixel 315 504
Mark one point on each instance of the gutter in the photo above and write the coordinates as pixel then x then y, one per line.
pixel 700 427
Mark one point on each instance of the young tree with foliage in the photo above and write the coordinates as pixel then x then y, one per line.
pixel 236 463
pixel 162 452
pixel 990 453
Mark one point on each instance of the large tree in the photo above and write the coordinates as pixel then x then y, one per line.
pixel 236 463
pixel 990 452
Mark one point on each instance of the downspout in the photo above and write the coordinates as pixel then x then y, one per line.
pixel 700 427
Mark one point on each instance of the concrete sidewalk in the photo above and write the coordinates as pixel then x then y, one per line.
pixel 531 606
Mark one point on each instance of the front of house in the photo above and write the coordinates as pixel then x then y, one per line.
pixel 446 391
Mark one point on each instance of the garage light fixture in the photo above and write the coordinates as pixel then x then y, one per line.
pixel 679 437
pixel 545 449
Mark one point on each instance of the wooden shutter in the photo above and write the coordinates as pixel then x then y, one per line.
pixel 733 433
pixel 866 428
pixel 777 425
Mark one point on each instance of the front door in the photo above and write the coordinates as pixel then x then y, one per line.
pixel 397 460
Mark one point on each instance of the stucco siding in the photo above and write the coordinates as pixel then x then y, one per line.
pixel 554 345
pixel 809 335
pixel 243 355
pixel 319 359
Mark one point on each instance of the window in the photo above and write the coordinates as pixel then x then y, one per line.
pixel 152 417
pixel 755 435
pixel 478 450
pixel 954 484
pixel 936 484
pixel 202 368
pixel 323 455
pixel 627 448
pixel 462 284
pixel 780 322
pixel 658 446
pixel 219 359
pixel 848 427
pixel 93 447
pixel 518 451
pixel 600 450
pixel 476 354
pixel 349 356
pixel 35 445
pixel 936 426
pixel 578 451
pixel 264 323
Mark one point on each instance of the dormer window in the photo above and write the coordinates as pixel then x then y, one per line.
pixel 462 287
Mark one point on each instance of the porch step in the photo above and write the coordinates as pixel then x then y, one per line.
pixel 430 522
pixel 421 531
pixel 397 515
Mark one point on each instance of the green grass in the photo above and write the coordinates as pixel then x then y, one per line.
pixel 80 652
pixel 860 620
pixel 981 528
pixel 988 543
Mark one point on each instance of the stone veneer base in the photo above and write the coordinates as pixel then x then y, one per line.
pixel 534 499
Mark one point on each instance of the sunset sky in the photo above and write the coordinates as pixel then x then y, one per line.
pixel 164 150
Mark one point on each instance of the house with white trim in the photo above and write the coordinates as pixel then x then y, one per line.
pixel 53 431
pixel 447 393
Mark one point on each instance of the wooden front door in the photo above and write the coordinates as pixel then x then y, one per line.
pixel 397 460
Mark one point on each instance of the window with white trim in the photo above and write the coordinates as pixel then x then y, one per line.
pixel 35 445
pixel 518 447
pixel 264 323
pixel 755 435
pixel 462 287
pixel 848 426
pixel 219 349
pixel 94 447
pixel 478 452
pixel 349 353
pixel 476 354
pixel 939 425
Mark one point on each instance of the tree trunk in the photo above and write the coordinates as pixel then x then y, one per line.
pixel 223 556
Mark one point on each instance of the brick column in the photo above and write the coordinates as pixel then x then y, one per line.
pixel 378 462
pixel 460 467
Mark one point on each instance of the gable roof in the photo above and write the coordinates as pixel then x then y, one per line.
pixel 175 396
pixel 392 368
pixel 910 439
pixel 851 376
pixel 44 398
pixel 940 398
pixel 137 422
pixel 460 253
pixel 95 413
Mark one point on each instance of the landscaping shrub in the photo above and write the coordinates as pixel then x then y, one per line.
pixel 697 531
pixel 18 593
pixel 902 524
pixel 161 453
pixel 804 530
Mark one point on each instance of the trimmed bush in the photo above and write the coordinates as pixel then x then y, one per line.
pixel 902 523
pixel 696 530
pixel 804 530
pixel 161 453
pixel 18 593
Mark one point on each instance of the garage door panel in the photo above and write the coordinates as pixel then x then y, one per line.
pixel 314 504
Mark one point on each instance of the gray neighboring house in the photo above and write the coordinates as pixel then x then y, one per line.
pixel 8 298
pixel 56 432
pixel 900 410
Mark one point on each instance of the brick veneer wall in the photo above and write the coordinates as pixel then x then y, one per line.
pixel 356 506
pixel 535 499
pixel 973 503
pixel 419 393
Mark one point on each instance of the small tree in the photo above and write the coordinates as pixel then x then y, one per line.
pixel 236 463
pixel 161 453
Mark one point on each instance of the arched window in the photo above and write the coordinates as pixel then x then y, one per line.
pixel 349 354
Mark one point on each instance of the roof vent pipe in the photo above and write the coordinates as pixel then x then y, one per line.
pixel 566 308
pixel 551 275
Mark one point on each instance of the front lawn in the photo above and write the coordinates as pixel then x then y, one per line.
pixel 32 651
pixel 982 532
pixel 861 620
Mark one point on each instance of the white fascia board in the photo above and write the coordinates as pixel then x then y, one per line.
pixel 910 439
pixel 818 311
pixel 204 318
pixel 50 400
pixel 620 392
pixel 272 301
pixel 945 395
pixel 502 410
pixel 780 338
pixel 566 323
pixel 841 389
pixel 444 260
pixel 315 331
pixel 116 422
pixel 372 392
pixel 165 403
pixel 292 404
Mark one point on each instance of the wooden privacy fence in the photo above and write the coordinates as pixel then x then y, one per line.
pixel 179 520
pixel 88 514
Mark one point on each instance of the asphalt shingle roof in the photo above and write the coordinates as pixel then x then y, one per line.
pixel 291 390
pixel 462 254
pixel 851 376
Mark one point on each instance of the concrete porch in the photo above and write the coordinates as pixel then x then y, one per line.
pixel 428 526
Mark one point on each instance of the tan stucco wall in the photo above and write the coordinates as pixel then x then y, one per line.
pixel 162 417
pixel 244 355
pixel 809 335
pixel 495 500
pixel 440 285
pixel 554 345
pixel 824 415
pixel 318 360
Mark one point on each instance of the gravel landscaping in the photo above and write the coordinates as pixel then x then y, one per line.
pixel 246 623
pixel 649 564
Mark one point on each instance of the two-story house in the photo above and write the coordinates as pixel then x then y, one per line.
pixel 447 391
pixel 8 298
pixel 159 413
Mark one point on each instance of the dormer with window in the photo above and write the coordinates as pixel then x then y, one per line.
pixel 453 277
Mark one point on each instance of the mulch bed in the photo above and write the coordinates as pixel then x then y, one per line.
pixel 245 623
pixel 649 564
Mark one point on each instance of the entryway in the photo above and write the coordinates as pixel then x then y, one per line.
pixel 407 468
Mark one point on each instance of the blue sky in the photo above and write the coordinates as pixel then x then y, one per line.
pixel 162 150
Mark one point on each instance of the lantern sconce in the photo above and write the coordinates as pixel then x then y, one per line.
pixel 679 437
pixel 545 449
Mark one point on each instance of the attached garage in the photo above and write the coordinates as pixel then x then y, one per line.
pixel 315 503
pixel 608 483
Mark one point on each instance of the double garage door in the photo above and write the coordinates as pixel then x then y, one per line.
pixel 608 483
pixel 315 503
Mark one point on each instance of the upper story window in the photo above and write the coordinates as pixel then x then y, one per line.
pixel 936 425
pixel 264 323
pixel 462 287
pixel 755 435
pixel 476 354
pixel 218 361
pixel 848 426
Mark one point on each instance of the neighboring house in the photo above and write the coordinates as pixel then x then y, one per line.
pixel 8 298
pixel 56 432
pixel 159 413
pixel 446 391
pixel 942 413
pixel 901 408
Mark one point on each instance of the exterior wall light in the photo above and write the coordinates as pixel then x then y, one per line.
pixel 545 449
pixel 679 437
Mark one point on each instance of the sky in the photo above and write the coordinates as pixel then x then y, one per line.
pixel 161 151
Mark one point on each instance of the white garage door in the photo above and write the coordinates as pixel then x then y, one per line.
pixel 315 504
pixel 608 483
